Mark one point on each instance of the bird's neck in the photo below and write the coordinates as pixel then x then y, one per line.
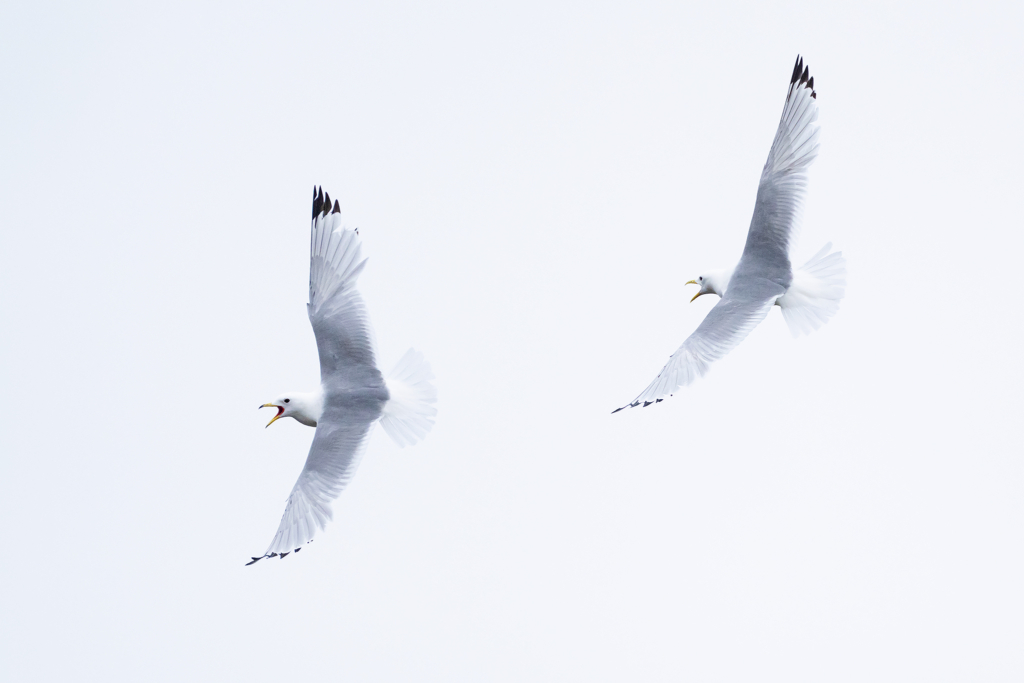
pixel 307 407
pixel 718 281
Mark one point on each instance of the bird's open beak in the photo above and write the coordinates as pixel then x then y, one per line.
pixel 280 409
pixel 693 282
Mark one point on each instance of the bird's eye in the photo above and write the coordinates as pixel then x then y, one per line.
pixel 701 278
pixel 287 400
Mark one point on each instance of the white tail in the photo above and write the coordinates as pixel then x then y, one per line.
pixel 814 295
pixel 409 413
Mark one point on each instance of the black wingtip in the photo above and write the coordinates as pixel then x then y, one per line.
pixel 318 201
pixel 802 74
pixel 327 203
pixel 634 404
pixel 284 555
pixel 797 68
pixel 336 209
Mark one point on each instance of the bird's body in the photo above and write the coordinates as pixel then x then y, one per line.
pixel 764 276
pixel 353 394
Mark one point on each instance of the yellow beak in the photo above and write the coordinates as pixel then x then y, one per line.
pixel 280 410
pixel 694 282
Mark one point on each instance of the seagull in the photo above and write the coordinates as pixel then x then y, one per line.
pixel 764 276
pixel 353 395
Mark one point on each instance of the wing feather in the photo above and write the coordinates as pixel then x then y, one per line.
pixel 337 448
pixel 725 326
pixel 336 310
pixel 783 184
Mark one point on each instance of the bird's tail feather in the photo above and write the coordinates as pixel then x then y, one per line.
pixel 409 413
pixel 814 295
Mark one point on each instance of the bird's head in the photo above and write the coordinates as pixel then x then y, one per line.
pixel 284 408
pixel 304 408
pixel 711 282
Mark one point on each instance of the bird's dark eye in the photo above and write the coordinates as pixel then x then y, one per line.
pixel 287 400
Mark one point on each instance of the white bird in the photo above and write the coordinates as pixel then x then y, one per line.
pixel 353 395
pixel 764 276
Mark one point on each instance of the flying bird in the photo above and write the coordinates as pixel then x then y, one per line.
pixel 764 276
pixel 353 395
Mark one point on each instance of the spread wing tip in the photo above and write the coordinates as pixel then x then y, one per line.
pixel 634 404
pixel 282 555
pixel 802 75
pixel 318 201
pixel 322 203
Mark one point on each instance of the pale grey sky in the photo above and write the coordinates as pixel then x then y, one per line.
pixel 534 182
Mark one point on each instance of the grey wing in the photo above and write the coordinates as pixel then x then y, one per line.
pixel 725 326
pixel 337 448
pixel 336 309
pixel 780 194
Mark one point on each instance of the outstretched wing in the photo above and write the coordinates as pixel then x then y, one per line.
pixel 337 448
pixel 725 326
pixel 780 194
pixel 336 310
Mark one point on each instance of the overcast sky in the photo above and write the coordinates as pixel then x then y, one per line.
pixel 534 182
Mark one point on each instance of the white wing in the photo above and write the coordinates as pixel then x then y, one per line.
pixel 337 448
pixel 725 326
pixel 336 309
pixel 780 193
